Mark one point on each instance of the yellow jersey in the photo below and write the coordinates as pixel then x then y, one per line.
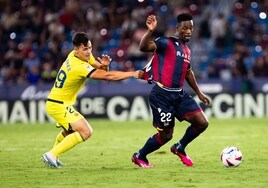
pixel 71 79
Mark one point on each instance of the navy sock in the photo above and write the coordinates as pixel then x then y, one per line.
pixel 189 135
pixel 152 144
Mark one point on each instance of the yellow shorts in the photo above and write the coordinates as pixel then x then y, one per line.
pixel 63 114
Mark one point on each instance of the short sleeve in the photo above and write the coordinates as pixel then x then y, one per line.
pixel 85 69
pixel 91 60
pixel 161 43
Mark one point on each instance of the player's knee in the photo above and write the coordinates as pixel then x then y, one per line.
pixel 166 137
pixel 86 133
pixel 169 137
pixel 203 126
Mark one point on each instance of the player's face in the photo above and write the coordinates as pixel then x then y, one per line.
pixel 185 30
pixel 83 52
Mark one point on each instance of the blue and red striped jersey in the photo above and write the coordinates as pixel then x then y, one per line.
pixel 169 63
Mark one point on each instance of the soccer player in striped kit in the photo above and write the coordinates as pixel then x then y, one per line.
pixel 169 67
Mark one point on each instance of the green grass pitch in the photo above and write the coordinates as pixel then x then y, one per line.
pixel 104 160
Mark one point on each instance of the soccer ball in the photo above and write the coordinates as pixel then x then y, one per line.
pixel 231 156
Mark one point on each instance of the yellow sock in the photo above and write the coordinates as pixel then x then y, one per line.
pixel 59 138
pixel 67 143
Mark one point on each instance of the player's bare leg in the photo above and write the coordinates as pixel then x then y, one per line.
pixel 81 131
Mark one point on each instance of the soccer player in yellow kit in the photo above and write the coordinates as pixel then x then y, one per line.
pixel 70 79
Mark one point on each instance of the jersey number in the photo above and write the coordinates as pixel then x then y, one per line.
pixel 165 118
pixel 61 77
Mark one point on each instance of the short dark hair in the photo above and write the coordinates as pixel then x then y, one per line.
pixel 80 38
pixel 184 17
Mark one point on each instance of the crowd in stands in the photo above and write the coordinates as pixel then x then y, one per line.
pixel 230 38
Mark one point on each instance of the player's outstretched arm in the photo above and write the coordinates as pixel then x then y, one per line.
pixel 115 75
pixel 146 43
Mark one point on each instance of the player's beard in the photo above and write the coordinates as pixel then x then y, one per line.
pixel 186 40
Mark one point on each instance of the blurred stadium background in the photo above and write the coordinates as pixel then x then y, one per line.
pixel 229 53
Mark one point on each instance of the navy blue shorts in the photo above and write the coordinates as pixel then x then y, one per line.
pixel 168 105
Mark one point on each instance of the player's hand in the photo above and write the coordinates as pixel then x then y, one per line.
pixel 138 74
pixel 151 22
pixel 204 99
pixel 105 60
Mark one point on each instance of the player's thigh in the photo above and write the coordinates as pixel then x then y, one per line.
pixel 83 127
pixel 198 119
pixel 65 116
pixel 162 110
pixel 191 111
pixel 58 113
pixel 187 107
pixel 78 122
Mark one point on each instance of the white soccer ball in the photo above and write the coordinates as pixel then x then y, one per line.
pixel 231 156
